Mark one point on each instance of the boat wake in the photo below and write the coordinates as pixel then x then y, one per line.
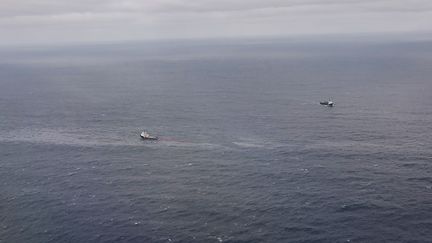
pixel 88 138
pixel 256 143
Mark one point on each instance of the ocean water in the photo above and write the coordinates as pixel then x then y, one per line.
pixel 246 153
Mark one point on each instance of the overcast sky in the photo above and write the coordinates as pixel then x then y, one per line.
pixel 46 21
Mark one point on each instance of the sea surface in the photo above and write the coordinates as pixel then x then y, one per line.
pixel 246 152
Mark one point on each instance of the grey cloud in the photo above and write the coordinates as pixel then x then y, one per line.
pixel 16 8
pixel 138 19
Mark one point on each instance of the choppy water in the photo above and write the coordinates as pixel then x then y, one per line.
pixel 246 152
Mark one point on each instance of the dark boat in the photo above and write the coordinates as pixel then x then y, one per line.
pixel 328 103
pixel 146 136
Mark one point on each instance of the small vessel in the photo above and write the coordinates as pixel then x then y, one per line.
pixel 328 103
pixel 146 136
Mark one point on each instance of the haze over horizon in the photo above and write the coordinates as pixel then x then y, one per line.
pixel 48 21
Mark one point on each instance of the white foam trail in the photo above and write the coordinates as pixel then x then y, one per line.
pixel 248 145
pixel 189 144
pixel 257 143
pixel 56 136
pixel 79 137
